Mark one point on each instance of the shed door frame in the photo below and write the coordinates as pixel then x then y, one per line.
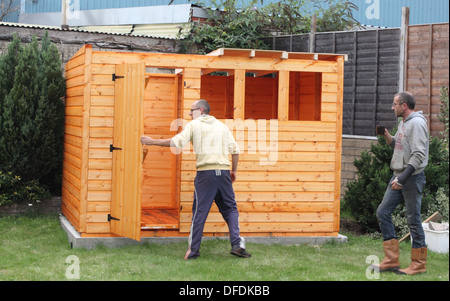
pixel 125 215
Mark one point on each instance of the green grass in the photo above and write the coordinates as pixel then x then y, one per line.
pixel 36 248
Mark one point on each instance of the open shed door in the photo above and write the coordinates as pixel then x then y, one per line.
pixel 125 215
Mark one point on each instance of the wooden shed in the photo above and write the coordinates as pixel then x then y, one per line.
pixel 285 110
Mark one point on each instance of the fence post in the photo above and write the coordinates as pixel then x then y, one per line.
pixel 312 34
pixel 403 49
pixel 430 74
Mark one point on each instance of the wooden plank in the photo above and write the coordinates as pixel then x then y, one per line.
pixel 168 60
pixel 281 156
pixel 265 227
pixel 104 207
pixel 435 217
pixel 279 204
pixel 127 162
pixel 75 161
pixel 268 217
pixel 159 219
pixel 338 150
pixel 277 166
pixel 283 95
pixel 273 186
pixel 274 176
pixel 76 61
pixel 239 94
pixel 74 190
pixel 85 137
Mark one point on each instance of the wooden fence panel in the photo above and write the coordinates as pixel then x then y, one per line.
pixel 427 69
pixel 372 72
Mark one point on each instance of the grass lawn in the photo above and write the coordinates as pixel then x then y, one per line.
pixel 36 248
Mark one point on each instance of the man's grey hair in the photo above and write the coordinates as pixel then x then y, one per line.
pixel 204 105
pixel 406 97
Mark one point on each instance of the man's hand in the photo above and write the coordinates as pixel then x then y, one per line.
pixel 158 142
pixel 147 140
pixel 233 176
pixel 395 185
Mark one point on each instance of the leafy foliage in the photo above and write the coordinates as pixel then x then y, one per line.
pixel 232 26
pixel 443 116
pixel 14 189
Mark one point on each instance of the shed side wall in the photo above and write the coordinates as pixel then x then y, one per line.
pixel 72 194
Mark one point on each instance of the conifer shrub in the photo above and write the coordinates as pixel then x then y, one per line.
pixel 32 112
pixel 364 195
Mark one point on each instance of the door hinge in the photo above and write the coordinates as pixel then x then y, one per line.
pixel 111 148
pixel 112 218
pixel 114 76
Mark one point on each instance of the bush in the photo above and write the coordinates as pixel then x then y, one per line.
pixel 32 123
pixel 14 189
pixel 364 195
pixel 443 116
pixel 243 25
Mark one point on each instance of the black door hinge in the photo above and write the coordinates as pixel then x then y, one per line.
pixel 114 76
pixel 112 218
pixel 111 148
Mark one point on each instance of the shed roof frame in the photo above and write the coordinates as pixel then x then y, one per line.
pixel 226 59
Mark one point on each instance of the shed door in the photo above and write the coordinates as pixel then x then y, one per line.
pixel 127 155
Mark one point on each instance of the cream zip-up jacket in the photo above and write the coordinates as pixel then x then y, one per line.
pixel 212 142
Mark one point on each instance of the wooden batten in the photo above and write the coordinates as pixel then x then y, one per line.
pixel 288 186
pixel 239 94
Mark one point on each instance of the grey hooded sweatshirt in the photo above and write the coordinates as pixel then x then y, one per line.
pixel 411 144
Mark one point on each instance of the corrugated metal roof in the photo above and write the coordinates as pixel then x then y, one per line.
pixel 153 30
pixel 95 29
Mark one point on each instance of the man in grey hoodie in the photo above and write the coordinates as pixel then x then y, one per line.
pixel 410 144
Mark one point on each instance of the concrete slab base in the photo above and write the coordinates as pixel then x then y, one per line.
pixel 76 241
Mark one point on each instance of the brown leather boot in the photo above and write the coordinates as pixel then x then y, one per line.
pixel 418 262
pixel 390 261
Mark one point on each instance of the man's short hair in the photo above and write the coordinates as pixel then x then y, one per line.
pixel 204 105
pixel 406 97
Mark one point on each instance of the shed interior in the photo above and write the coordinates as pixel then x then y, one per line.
pixel 163 105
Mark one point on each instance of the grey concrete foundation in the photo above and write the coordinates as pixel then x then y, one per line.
pixel 76 241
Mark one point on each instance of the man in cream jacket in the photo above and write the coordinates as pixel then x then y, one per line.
pixel 212 142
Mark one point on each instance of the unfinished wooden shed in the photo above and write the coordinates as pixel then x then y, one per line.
pixel 285 110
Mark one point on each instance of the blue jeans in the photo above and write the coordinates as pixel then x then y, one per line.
pixel 411 192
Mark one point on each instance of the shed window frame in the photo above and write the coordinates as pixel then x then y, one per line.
pixel 301 92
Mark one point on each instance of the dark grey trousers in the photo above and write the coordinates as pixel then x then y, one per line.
pixel 213 185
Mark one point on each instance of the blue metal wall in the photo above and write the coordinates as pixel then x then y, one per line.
pixel 55 5
pixel 384 13
pixel 387 13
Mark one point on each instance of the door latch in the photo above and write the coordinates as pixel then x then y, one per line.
pixel 114 76
pixel 112 218
pixel 111 148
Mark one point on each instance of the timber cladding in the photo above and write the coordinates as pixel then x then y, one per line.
pixel 285 110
